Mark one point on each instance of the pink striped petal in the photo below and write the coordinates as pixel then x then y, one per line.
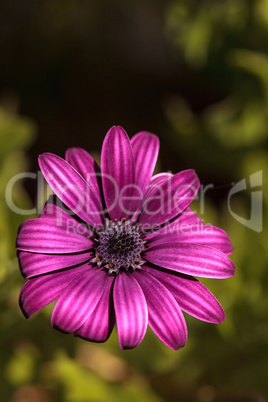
pixel 191 259
pixel 38 292
pixel 155 181
pixel 71 188
pixel 189 217
pixel 145 148
pixel 130 311
pixel 169 198
pixel 192 296
pixel 78 301
pixel 33 264
pixel 55 212
pixel 86 166
pixel 205 235
pixel 54 209
pixel 159 178
pixel 165 316
pixel 118 173
pixel 99 325
pixel 44 236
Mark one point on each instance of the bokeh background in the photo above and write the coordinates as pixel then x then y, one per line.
pixel 195 72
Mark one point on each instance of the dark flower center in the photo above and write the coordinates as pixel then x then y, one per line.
pixel 120 246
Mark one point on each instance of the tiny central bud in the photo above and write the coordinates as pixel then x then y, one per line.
pixel 120 246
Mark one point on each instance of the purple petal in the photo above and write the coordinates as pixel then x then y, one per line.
pixel 33 264
pixel 165 316
pixel 71 188
pixel 78 300
pixel 130 311
pixel 155 181
pixel 168 199
pixel 192 296
pixel 187 218
pixel 85 165
pixel 118 174
pixel 145 148
pixel 99 325
pixel 54 209
pixel 38 292
pixel 205 235
pixel 59 217
pixel 191 259
pixel 159 178
pixel 44 236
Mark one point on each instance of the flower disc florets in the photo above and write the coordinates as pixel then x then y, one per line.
pixel 120 246
pixel 120 272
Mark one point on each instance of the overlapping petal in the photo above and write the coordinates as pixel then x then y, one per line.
pixel 33 264
pixel 55 211
pixel 192 296
pixel 118 173
pixel 206 235
pixel 66 253
pixel 130 311
pixel 44 236
pixel 86 166
pixel 159 178
pixel 176 225
pixel 165 316
pixel 99 325
pixel 191 259
pixel 189 217
pixel 42 290
pixel 79 300
pixel 145 148
pixel 71 188
pixel 169 198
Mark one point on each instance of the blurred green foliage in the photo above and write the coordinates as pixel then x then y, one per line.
pixel 222 48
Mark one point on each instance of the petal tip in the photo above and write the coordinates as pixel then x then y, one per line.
pixel 42 156
pixel 116 129
pixel 21 304
pixel 58 328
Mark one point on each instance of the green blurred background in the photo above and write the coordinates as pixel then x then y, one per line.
pixel 195 73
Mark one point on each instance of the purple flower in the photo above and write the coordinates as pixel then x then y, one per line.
pixel 118 244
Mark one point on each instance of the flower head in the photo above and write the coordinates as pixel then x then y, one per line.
pixel 119 245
